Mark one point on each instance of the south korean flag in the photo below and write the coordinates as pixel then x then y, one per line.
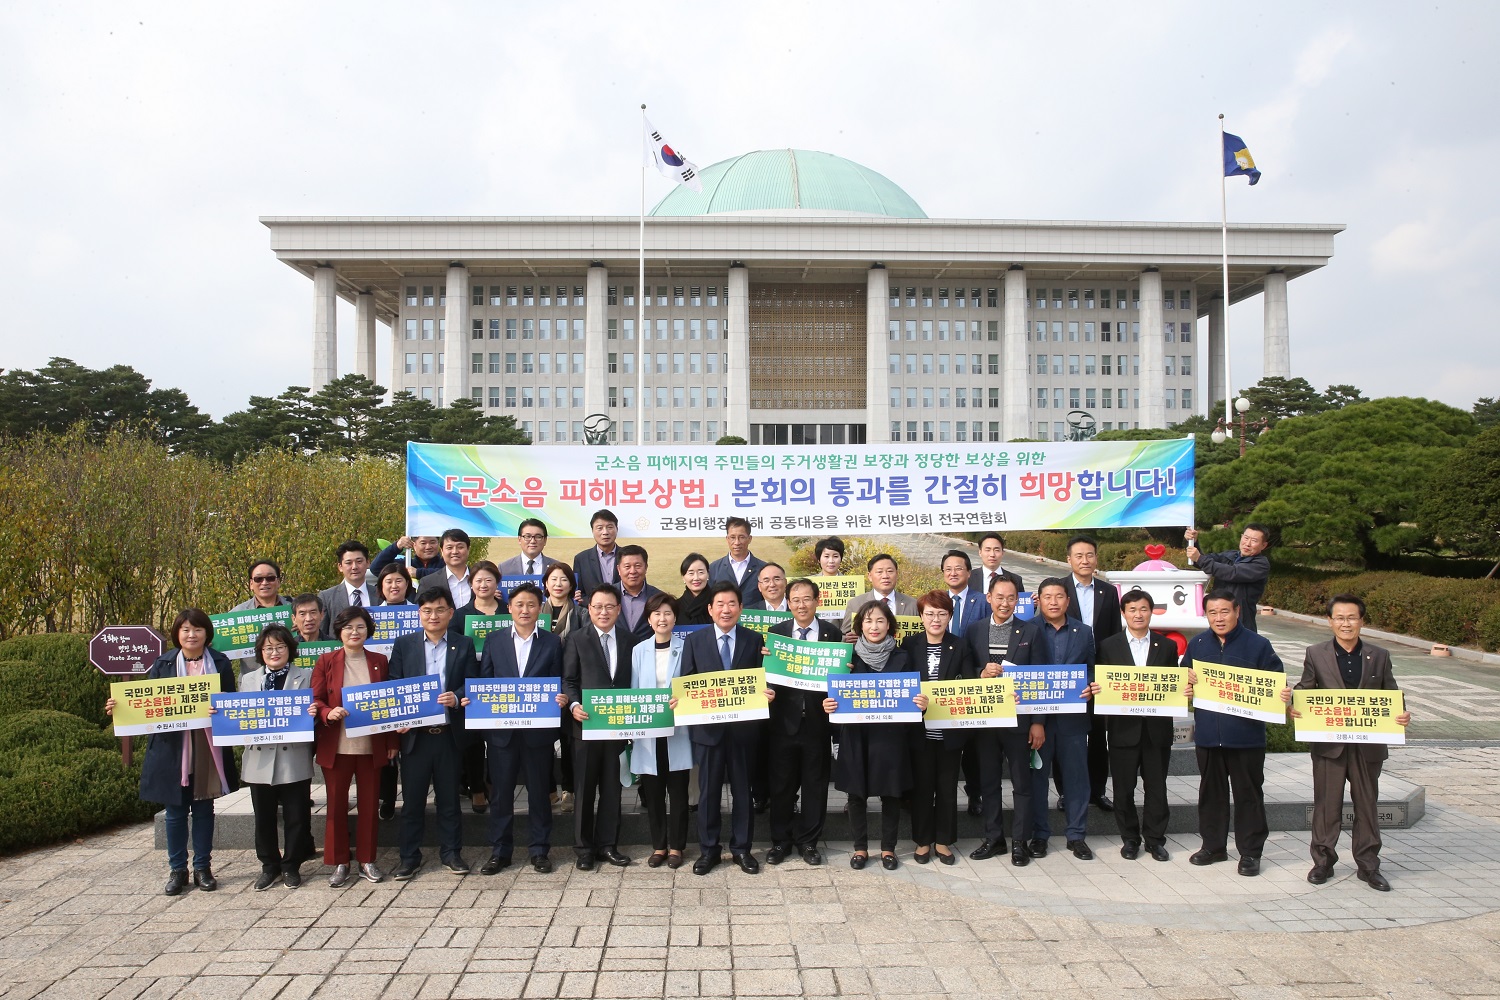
pixel 669 162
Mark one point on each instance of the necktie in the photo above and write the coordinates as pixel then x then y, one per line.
pixel 804 632
pixel 531 568
pixel 724 651
pixel 604 648
pixel 357 596
pixel 958 613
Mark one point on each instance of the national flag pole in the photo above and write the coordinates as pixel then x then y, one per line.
pixel 640 304
pixel 1224 234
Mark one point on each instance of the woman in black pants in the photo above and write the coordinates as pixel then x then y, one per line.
pixel 938 655
pixel 874 758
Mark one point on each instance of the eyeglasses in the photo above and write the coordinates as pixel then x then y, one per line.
pixel 1347 620
pixel 603 607
pixel 532 538
pixel 935 613
pixel 264 579
pixel 273 647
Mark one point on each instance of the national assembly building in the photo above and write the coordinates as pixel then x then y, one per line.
pixel 800 298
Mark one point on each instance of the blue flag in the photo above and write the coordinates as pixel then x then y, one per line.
pixel 1237 160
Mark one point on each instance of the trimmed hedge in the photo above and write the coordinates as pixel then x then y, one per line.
pixel 1455 612
pixel 54 796
pixel 51 671
pixel 43 732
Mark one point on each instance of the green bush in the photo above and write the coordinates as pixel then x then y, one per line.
pixel 54 796
pixel 1279 739
pixel 45 732
pixel 1439 609
pixel 51 671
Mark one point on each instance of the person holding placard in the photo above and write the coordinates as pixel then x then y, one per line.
pixel 426 556
pixel 692 603
pixel 522 650
pixel 279 774
pixel 800 754
pixel 484 599
pixel 1137 744
pixel 1067 640
pixel 938 655
pixel 1347 661
pixel 184 770
pixel 1231 749
pixel 882 572
pixel 353 561
pixel 875 758
pixel 346 758
pixel 1096 603
pixel 454 576
pixel 394 585
pixel 664 763
pixel 265 587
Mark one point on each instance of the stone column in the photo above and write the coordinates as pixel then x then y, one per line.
pixel 1153 381
pixel 455 343
pixel 737 328
pixel 877 377
pixel 325 359
pixel 1015 391
pixel 1277 334
pixel 364 335
pixel 596 343
pixel 1216 344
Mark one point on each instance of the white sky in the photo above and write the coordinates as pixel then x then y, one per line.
pixel 142 141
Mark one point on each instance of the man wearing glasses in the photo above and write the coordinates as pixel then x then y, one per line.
pixel 532 561
pixel 265 587
pixel 1243 573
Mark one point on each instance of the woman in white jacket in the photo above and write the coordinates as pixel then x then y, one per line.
pixel 663 764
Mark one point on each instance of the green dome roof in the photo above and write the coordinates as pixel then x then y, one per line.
pixel 779 180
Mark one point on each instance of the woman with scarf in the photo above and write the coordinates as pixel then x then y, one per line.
pixel 692 605
pixel 874 758
pixel 184 770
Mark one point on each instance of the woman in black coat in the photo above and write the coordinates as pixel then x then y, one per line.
pixel 874 758
pixel 210 770
pixel 692 605
pixel 938 655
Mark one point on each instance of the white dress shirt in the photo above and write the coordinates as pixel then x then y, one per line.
pixel 523 649
pixel 1139 648
pixel 459 587
pixel 365 599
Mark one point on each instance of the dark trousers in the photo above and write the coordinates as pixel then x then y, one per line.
pixel 732 758
pixel 1243 771
pixel 565 762
pixel 508 766
pixel 760 773
pixel 433 762
pixel 1065 753
pixel 202 811
pixel 665 797
pixel 802 763
pixel 296 816
pixel 971 771
pixel 1363 777
pixel 890 822
pixel 473 776
pixel 999 749
pixel 934 793
pixel 390 776
pixel 363 770
pixel 596 769
pixel 1150 761
pixel 1099 765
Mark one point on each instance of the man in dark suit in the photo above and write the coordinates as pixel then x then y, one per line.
pixel 991 551
pixel 740 566
pixel 353 561
pixel 634 591
pixel 532 561
pixel 772 583
pixel 430 755
pixel 800 741
pixel 1095 603
pixel 969 604
pixel 599 563
pixel 1067 640
pixel 1346 661
pixel 1139 744
pixel 522 650
pixel 1000 639
pixel 595 657
pixel 1243 571
pixel 724 748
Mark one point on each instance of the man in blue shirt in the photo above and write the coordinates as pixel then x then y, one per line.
pixel 1243 573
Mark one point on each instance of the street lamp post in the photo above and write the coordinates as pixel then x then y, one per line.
pixel 1221 433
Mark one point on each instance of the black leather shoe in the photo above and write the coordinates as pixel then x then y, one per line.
pixel 747 863
pixel 947 859
pixel 674 861
pixel 922 859
pixel 987 849
pixel 1206 857
pixel 761 807
pixel 889 862
pixel 387 810
pixel 480 807
pixel 1375 881
pixel 495 865
pixel 857 861
pixel 1130 851
pixel 1159 852
pixel 811 855
pixel 541 864
pixel 776 855
pixel 1036 847
pixel 1320 874
pixel 585 863
pixel 268 877
pixel 615 858
pixel 204 879
pixel 1020 858
pixel 1249 867
pixel 976 807
pixel 1103 803
pixel 176 882
pixel 657 859
pixel 706 863
pixel 407 871
pixel 1081 850
pixel 456 866
pixel 292 877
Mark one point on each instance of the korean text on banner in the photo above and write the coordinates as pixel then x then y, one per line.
pixel 248 718
pixel 1131 690
pixel 1241 691
pixel 1050 688
pixel 659 492
pixel 163 706
pixel 478 627
pixel 391 623
pixel 235 632
pixel 805 664
pixel 875 698
pixel 630 714
pixel 512 703
pixel 761 621
pixel 970 704
pixel 722 696
pixel 1355 715
pixel 308 652
pixel 392 705
pixel 835 592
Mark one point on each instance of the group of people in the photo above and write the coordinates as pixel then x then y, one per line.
pixel 611 629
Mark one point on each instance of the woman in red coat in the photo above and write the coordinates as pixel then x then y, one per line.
pixel 343 757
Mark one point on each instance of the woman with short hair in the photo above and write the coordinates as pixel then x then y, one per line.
pixel 664 763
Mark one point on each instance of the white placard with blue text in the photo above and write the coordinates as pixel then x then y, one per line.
pixel 1050 688
pixel 392 705
pixel 875 697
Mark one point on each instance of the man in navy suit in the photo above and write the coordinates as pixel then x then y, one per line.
pixel 1067 640
pixel 1095 603
pixel 429 754
pixel 722 748
pixel 599 563
pixel 969 604
pixel 739 567
pixel 634 591
pixel 523 650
